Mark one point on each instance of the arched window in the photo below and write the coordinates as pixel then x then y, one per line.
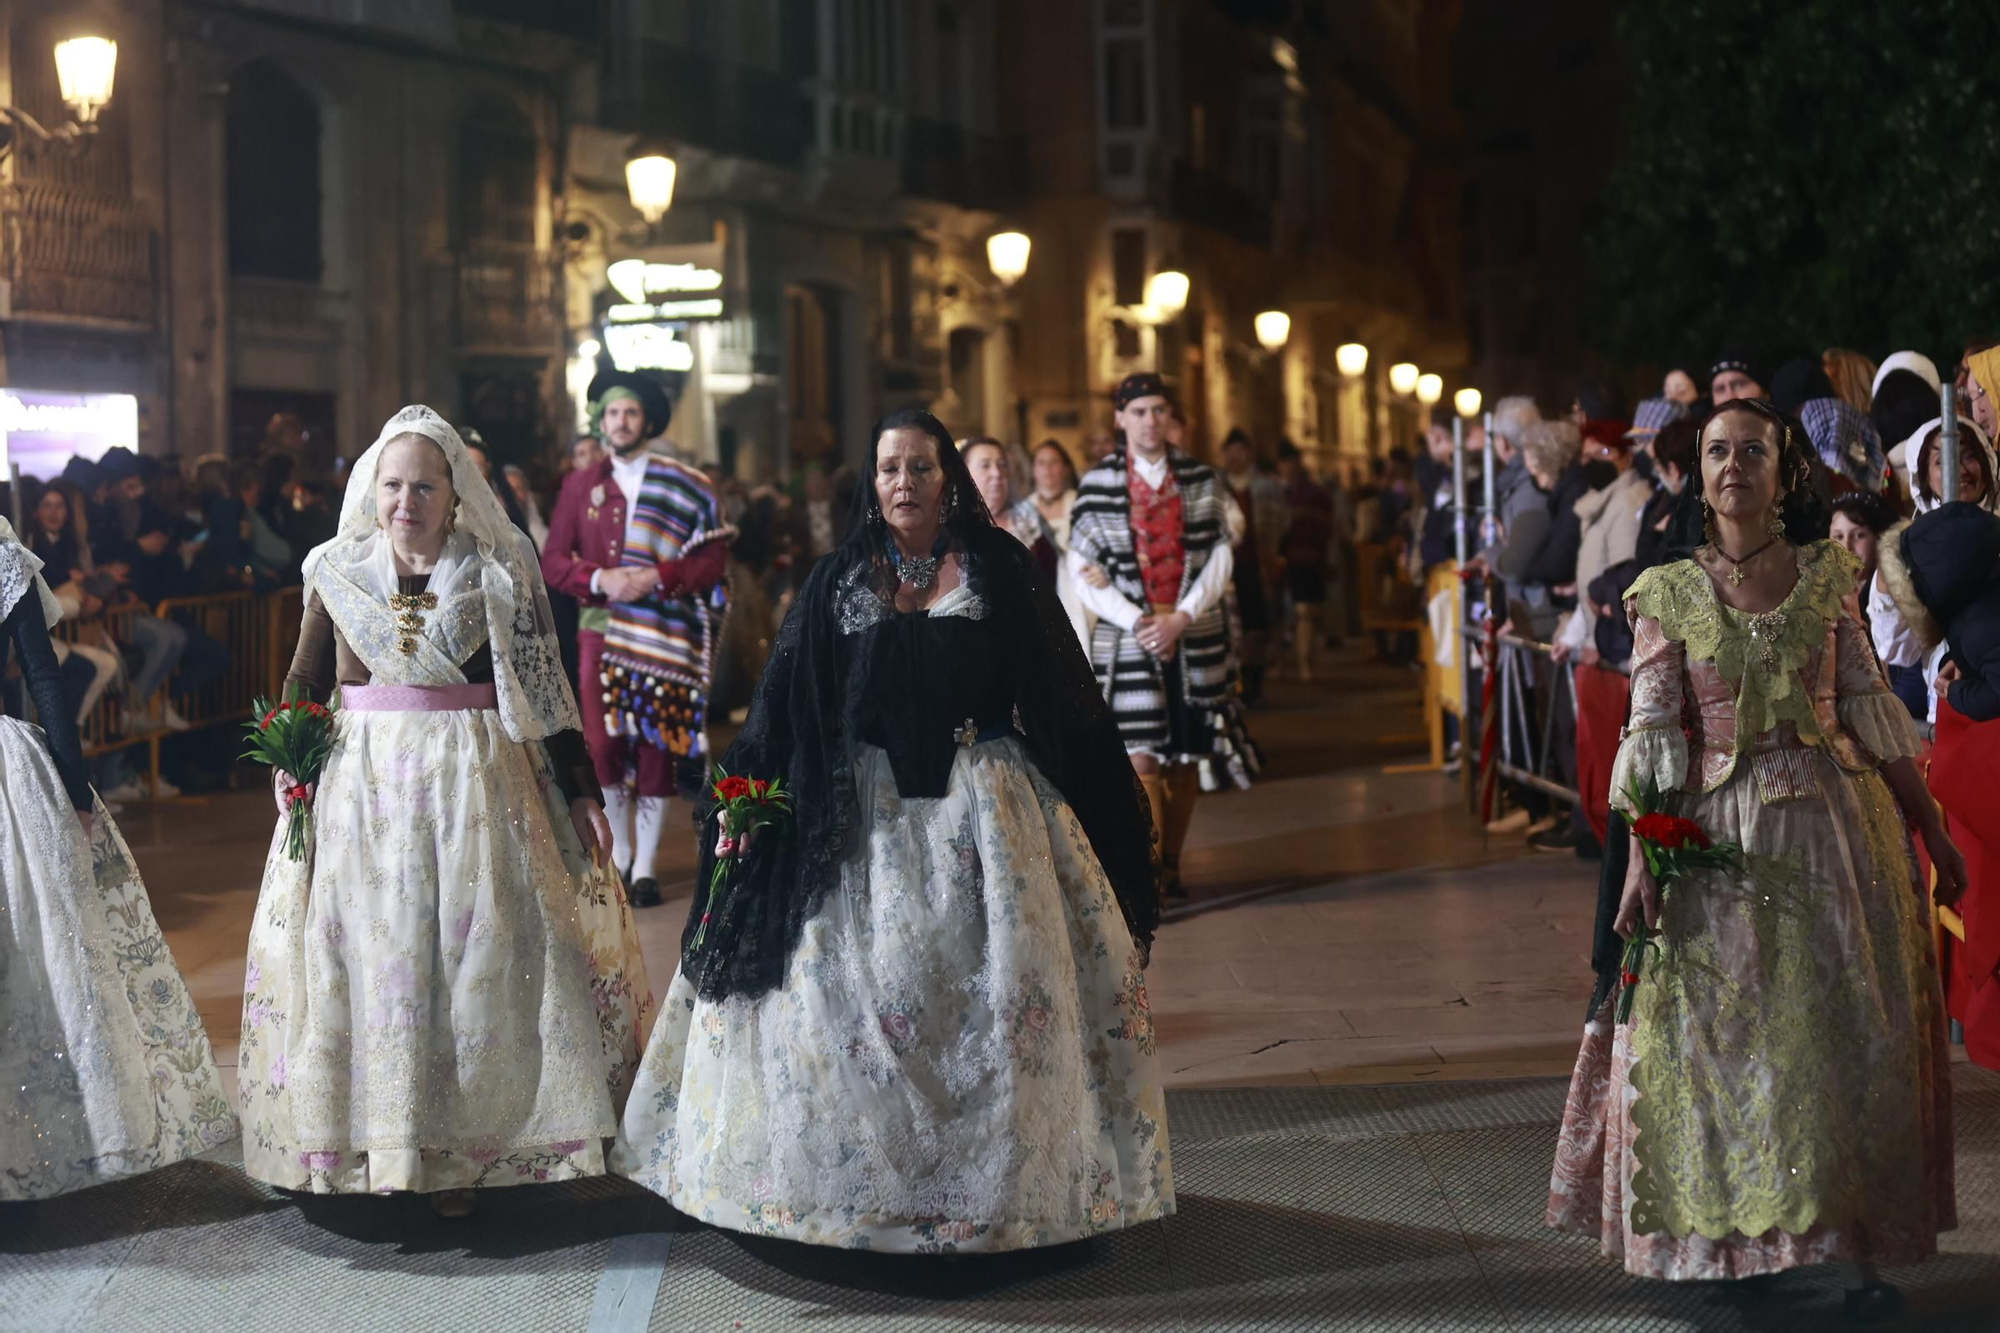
pixel 494 198
pixel 273 144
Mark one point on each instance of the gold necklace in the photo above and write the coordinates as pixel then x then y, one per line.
pixel 1736 566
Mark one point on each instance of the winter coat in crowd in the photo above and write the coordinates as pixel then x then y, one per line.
pixel 1943 570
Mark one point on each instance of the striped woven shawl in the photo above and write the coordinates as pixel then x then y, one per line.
pixel 1101 530
pixel 658 651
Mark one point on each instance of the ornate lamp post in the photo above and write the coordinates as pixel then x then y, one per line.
pixel 85 69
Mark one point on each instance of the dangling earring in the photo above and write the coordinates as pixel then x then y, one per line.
pixel 1776 527
pixel 1708 522
pixel 951 502
pixel 451 519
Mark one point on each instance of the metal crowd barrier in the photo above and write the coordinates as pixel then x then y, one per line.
pixel 1526 751
pixel 259 632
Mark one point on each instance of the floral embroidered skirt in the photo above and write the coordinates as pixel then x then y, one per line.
pixel 962 1056
pixel 108 1068
pixel 444 994
pixel 1782 1095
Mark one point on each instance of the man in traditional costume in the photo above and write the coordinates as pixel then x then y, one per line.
pixel 638 539
pixel 1151 519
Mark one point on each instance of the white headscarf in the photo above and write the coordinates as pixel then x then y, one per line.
pixel 533 690
pixel 1969 434
pixel 1915 362
pixel 21 568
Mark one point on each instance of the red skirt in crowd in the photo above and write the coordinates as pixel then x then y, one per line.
pixel 1602 698
pixel 1964 774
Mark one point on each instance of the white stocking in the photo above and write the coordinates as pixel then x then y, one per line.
pixel 652 820
pixel 618 810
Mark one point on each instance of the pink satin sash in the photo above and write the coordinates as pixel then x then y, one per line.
pixel 416 698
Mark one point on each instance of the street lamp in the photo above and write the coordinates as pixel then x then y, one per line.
pixel 1166 295
pixel 1007 256
pixel 85 68
pixel 1273 328
pixel 1402 377
pixel 649 179
pixel 1351 359
pixel 1467 402
pixel 1430 388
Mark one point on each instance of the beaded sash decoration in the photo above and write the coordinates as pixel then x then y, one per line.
pixel 407 606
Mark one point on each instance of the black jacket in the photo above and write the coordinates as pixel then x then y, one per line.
pixel 1951 558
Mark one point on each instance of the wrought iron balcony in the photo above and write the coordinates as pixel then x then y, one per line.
pixel 70 255
pixel 507 300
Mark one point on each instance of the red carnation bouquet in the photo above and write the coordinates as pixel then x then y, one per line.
pixel 295 737
pixel 1673 848
pixel 745 805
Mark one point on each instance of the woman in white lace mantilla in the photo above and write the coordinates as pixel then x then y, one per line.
pixel 917 1021
pixel 448 994
pixel 108 1068
pixel 1781 1096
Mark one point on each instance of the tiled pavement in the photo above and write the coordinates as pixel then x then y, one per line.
pixel 1401 1207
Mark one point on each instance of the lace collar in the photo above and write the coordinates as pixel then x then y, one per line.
pixel 1762 654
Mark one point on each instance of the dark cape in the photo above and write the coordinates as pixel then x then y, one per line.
pixel 811 709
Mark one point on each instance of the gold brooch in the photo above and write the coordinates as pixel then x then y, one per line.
pixel 414 601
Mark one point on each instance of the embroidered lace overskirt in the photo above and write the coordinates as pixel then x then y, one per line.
pixel 108 1069
pixel 961 1058
pixel 1782 1094
pixel 444 994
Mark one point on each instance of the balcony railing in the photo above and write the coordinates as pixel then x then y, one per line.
pixel 506 299
pixel 737 110
pixel 959 166
pixel 280 306
pixel 71 255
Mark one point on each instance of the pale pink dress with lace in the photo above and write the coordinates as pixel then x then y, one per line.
pixel 1781 1096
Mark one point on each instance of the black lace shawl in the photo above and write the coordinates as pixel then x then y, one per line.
pixel 802 727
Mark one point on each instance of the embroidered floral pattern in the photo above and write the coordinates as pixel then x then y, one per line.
pixel 108 1066
pixel 962 1004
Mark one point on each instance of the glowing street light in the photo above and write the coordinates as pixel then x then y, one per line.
pixel 1007 256
pixel 1273 328
pixel 1167 294
pixel 85 67
pixel 1430 388
pixel 1351 359
pixel 1467 402
pixel 1402 377
pixel 649 179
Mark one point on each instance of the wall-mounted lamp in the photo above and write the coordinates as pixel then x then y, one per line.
pixel 649 179
pixel 1166 295
pixel 85 70
pixel 1007 256
pixel 1403 377
pixel 1274 327
pixel 1350 358
pixel 1430 388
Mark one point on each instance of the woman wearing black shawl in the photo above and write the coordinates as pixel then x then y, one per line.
pixel 917 1020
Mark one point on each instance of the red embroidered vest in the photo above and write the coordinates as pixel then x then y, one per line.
pixel 1157 536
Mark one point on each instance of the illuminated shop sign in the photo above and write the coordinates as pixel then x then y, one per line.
pixel 39 432
pixel 647 347
pixel 655 291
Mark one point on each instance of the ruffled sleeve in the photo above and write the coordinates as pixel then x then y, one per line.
pixel 1868 710
pixel 1653 748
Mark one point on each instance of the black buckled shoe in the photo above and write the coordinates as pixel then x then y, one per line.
pixel 646 892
